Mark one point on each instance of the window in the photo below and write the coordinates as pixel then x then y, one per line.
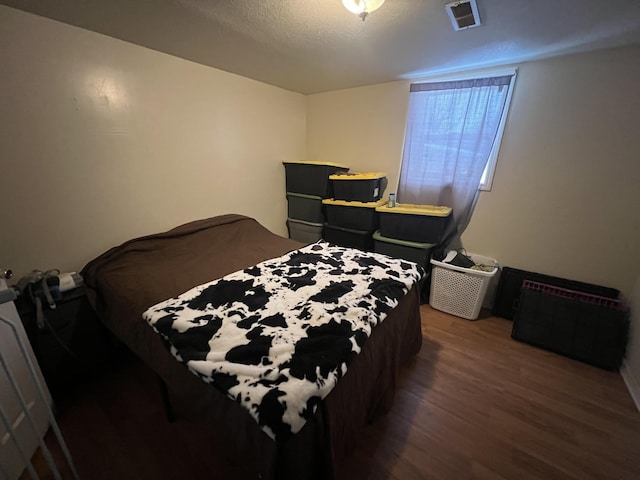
pixel 453 135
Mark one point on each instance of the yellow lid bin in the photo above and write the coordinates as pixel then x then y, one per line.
pixel 358 176
pixel 310 177
pixel 414 223
pixel 340 166
pixel 354 215
pixel 358 187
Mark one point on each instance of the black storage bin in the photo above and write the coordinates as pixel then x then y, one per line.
pixel 355 215
pixel 348 237
pixel 419 253
pixel 73 344
pixel 358 187
pixel 305 232
pixel 415 223
pixel 311 178
pixel 508 291
pixel 579 325
pixel 307 208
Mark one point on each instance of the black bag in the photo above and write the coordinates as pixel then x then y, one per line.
pixel 462 260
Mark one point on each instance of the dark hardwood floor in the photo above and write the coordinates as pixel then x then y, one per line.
pixel 473 404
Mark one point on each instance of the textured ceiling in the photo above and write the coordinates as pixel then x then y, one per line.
pixel 311 46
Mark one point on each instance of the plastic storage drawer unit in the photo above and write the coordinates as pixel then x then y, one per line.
pixel 358 187
pixel 415 223
pixel 587 327
pixel 355 215
pixel 305 232
pixel 305 207
pixel 348 237
pixel 310 177
pixel 460 291
pixel 419 253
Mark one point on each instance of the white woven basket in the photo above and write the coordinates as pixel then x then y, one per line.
pixel 460 291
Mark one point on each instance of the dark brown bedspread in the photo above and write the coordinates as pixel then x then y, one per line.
pixel 125 281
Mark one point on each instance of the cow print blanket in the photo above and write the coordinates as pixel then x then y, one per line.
pixel 276 337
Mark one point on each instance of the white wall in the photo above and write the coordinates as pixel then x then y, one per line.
pixel 567 186
pixel 360 127
pixel 102 140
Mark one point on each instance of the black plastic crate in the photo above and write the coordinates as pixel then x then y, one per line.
pixel 586 327
pixel 414 223
pixel 511 279
pixel 305 232
pixel 358 187
pixel 307 208
pixel 354 215
pixel 419 253
pixel 311 178
pixel 348 237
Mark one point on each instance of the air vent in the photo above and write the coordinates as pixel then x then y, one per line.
pixel 463 14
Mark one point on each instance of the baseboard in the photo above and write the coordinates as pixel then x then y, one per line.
pixel 633 385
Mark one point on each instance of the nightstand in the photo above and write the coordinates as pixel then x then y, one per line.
pixel 73 345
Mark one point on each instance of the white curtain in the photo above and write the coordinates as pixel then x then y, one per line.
pixel 451 130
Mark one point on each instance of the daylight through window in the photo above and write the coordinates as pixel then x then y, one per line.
pixel 453 135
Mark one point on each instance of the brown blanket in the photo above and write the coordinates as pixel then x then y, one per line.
pixel 126 280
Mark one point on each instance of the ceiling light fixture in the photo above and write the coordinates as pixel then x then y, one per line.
pixel 362 8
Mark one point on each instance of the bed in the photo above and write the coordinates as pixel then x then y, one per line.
pixel 124 282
